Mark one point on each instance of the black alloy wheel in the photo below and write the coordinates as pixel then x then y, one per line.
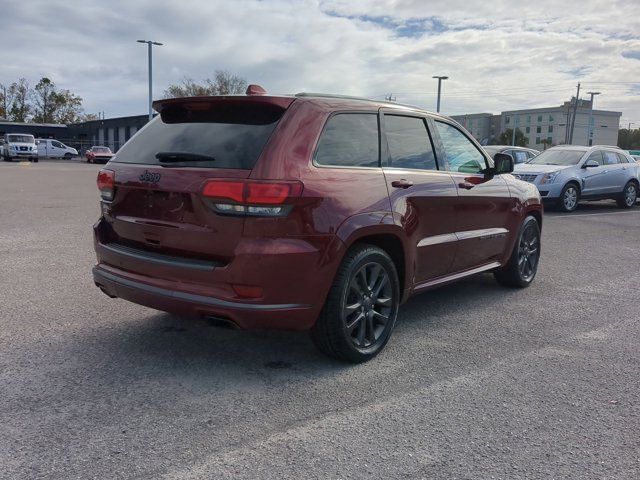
pixel 361 308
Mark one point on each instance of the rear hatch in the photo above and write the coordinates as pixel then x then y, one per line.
pixel 158 204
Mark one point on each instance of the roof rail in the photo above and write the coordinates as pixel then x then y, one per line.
pixel 349 97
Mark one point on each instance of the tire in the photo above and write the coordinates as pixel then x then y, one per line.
pixel 522 266
pixel 68 156
pixel 629 195
pixel 569 198
pixel 356 322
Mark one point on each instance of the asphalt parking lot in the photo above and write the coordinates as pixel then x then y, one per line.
pixel 478 381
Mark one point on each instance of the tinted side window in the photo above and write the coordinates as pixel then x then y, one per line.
pixel 597 156
pixel 349 140
pixel 409 143
pixel 57 144
pixel 462 155
pixel 610 158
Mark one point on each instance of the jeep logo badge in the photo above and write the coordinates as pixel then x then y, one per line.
pixel 149 177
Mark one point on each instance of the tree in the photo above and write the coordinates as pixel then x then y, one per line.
pixel 4 101
pixel 223 83
pixel 629 139
pixel 45 99
pixel 88 117
pixel 53 105
pixel 545 143
pixel 19 107
pixel 68 107
pixel 505 138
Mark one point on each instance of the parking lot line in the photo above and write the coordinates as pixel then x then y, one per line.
pixel 570 215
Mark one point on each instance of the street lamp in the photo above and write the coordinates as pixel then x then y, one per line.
pixel 149 45
pixel 590 127
pixel 439 89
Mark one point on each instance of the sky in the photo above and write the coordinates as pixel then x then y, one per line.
pixel 499 55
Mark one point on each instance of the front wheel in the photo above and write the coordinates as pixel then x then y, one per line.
pixel 67 156
pixel 629 195
pixel 522 266
pixel 361 308
pixel 569 198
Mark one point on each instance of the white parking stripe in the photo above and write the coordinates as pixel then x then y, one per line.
pixel 590 214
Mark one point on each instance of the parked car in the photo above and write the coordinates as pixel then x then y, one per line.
pixel 519 154
pixel 98 154
pixel 567 174
pixel 19 146
pixel 307 212
pixel 636 158
pixel 50 148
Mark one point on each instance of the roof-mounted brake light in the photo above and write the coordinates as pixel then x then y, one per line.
pixel 255 90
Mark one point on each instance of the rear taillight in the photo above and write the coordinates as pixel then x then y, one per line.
pixel 252 197
pixel 106 180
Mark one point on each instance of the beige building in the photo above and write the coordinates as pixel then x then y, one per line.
pixel 547 125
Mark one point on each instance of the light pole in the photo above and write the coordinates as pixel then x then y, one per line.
pixel 590 127
pixel 149 45
pixel 439 90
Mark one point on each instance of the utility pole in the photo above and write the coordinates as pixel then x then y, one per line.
pixel 513 132
pixel 439 90
pixel 149 45
pixel 575 111
pixel 590 128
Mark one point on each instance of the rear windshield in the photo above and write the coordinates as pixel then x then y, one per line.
pixel 101 150
pixel 558 157
pixel 20 139
pixel 230 136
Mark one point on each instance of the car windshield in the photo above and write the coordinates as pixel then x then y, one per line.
pixel 21 139
pixel 558 157
pixel 101 150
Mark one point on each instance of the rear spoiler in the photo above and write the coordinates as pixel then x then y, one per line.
pixel 247 109
pixel 207 103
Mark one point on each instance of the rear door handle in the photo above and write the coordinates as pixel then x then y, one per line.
pixel 402 183
pixel 466 185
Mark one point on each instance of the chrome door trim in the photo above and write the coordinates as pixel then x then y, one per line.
pixel 484 233
pixel 456 276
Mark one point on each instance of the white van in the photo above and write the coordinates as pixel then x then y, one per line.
pixel 19 145
pixel 48 147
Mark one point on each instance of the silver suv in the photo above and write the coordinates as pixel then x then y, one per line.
pixel 567 174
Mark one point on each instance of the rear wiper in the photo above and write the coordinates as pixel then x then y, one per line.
pixel 176 157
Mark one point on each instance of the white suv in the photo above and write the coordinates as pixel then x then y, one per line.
pixel 19 145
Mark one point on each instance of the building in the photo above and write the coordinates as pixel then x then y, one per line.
pixel 111 132
pixel 548 126
pixel 483 126
pixel 38 130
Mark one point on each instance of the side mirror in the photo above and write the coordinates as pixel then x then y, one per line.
pixel 503 163
pixel 590 164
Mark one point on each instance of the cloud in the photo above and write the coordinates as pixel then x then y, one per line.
pixel 499 55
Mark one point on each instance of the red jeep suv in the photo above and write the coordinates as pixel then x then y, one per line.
pixel 307 212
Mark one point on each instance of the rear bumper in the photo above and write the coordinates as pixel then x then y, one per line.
pixel 124 285
pixel 293 276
